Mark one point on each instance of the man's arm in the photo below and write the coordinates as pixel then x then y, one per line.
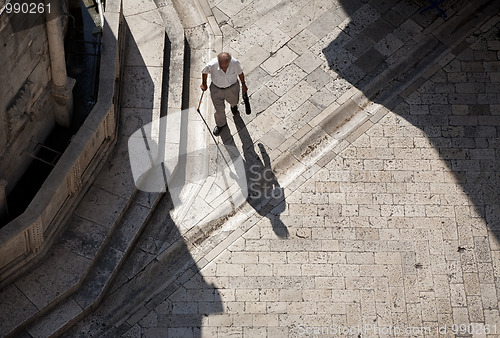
pixel 203 85
pixel 243 85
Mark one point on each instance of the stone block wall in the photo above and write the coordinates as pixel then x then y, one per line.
pixel 25 104
pixel 25 240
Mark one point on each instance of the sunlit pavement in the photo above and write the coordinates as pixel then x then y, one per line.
pixel 384 226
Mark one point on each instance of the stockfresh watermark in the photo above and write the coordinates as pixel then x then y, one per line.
pixel 171 152
pixel 369 330
pixel 361 330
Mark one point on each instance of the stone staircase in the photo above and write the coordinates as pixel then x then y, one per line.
pixel 80 267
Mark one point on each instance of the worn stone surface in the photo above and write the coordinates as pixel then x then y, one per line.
pixel 392 219
pixel 25 109
pixel 111 214
pixel 69 310
pixel 13 297
pixel 391 222
pixel 42 286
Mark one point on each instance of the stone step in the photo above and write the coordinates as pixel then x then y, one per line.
pixel 190 219
pixel 131 295
pixel 72 279
pixel 98 278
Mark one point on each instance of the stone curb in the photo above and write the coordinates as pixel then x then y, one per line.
pixel 359 107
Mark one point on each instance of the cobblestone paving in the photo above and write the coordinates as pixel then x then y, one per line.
pixel 399 230
pixel 304 56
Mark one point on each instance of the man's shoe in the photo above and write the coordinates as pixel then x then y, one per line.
pixel 235 110
pixel 218 129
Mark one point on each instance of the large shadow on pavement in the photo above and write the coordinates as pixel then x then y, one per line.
pixel 383 51
pixel 148 278
pixel 147 299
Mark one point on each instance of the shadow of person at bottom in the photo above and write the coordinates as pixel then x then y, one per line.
pixel 265 194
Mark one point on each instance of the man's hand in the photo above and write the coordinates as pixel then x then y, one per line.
pixel 243 85
pixel 203 86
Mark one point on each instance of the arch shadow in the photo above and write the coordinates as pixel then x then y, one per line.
pixel 383 51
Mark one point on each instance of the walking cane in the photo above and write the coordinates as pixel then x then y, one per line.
pixel 208 128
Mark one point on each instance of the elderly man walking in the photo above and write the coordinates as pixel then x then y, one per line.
pixel 224 71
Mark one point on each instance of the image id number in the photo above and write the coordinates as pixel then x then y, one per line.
pixel 473 328
pixel 27 8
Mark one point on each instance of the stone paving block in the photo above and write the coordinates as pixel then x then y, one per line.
pixel 308 62
pixel 317 11
pixel 231 9
pixel 138 7
pixel 275 41
pixel 221 17
pixel 322 99
pixel 252 59
pixel 362 18
pixel 377 30
pixel 271 20
pixel 302 41
pixel 134 331
pixel 151 39
pixel 124 235
pixel 301 92
pixel 251 36
pixel 461 315
pixel 295 24
pixel 66 313
pixel 359 45
pixel 58 275
pixel 242 20
pixel 285 79
pixel 324 24
pixel 134 118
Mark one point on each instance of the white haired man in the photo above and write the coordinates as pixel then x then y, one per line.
pixel 225 71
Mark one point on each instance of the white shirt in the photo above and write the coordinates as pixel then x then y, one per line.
pixel 220 78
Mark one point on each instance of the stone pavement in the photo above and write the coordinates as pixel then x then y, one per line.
pixel 389 220
pixel 372 157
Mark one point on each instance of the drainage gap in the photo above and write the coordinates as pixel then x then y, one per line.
pixel 83 53
pixel 45 158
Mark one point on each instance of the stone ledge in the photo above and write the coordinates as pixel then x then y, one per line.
pixel 70 177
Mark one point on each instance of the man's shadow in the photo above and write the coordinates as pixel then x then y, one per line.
pixel 265 194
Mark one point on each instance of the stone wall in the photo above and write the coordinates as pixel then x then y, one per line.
pixel 26 116
pixel 26 239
